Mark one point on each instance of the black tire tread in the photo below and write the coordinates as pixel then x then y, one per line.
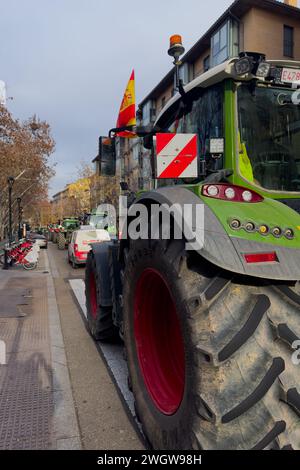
pixel 293 399
pixel 275 370
pixel 279 427
pixel 61 241
pixel 101 328
pixel 260 308
pixel 239 363
pixel 286 334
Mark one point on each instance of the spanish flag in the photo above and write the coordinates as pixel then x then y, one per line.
pixel 127 109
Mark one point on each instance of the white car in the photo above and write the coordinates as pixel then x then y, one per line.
pixel 40 240
pixel 81 242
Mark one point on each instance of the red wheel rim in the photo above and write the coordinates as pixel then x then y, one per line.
pixel 93 295
pixel 159 342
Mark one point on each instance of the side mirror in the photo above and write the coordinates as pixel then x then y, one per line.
pixel 107 156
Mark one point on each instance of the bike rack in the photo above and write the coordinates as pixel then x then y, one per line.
pixel 7 264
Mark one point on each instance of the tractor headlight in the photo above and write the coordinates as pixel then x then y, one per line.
pixel 250 227
pixel 243 66
pixel 230 193
pixel 212 190
pixel 289 233
pixel 277 232
pixel 247 196
pixel 263 229
pixel 263 70
pixel 235 224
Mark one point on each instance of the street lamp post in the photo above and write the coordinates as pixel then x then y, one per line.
pixel 19 200
pixel 10 182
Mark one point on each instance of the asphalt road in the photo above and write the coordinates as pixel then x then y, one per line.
pixel 104 422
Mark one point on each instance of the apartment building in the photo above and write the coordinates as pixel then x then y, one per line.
pixel 74 200
pixel 271 27
pixel 268 26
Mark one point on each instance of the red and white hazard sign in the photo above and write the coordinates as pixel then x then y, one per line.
pixel 176 155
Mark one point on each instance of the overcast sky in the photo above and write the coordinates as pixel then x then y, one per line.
pixel 68 61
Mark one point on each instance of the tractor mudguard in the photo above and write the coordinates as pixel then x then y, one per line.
pixel 101 255
pixel 226 251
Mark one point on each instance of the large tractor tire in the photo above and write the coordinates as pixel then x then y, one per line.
pixel 61 241
pixel 209 353
pixel 99 317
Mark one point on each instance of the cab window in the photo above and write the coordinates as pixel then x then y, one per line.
pixel 202 114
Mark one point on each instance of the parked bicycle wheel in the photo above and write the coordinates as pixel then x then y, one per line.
pixel 29 266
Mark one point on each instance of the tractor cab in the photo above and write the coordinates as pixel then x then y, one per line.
pixel 246 115
pixel 70 224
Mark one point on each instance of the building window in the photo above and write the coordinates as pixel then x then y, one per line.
pixel 234 42
pixel 135 152
pixel 148 112
pixel 288 41
pixel 219 43
pixel 192 72
pixel 206 63
pixel 96 167
pixel 225 43
pixel 141 182
pixel 204 116
pixel 184 74
pixel 163 102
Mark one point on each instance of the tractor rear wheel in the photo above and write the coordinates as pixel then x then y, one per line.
pixel 61 241
pixel 209 353
pixel 99 318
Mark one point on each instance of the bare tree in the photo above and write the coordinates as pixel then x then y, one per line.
pixel 25 148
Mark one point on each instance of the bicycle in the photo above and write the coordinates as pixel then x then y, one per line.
pixel 17 254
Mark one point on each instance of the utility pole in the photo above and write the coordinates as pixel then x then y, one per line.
pixel 10 181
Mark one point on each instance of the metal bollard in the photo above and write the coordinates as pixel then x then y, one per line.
pixel 6 264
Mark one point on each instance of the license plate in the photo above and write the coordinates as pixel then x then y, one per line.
pixel 290 75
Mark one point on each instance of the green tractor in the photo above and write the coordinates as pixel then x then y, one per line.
pixel 65 232
pixel 211 333
pixel 102 220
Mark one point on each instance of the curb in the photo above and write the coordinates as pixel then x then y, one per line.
pixel 66 433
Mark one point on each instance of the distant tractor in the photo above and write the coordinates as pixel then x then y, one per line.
pixel 54 230
pixel 101 220
pixel 65 232
pixel 210 334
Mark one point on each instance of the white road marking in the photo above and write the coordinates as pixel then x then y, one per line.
pixel 113 353
pixel 77 286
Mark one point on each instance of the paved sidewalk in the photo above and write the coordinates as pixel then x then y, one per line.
pixel 104 419
pixel 36 403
